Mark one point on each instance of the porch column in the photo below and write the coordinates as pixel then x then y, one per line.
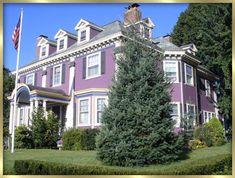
pixel 11 117
pixel 36 103
pixel 44 104
pixel 31 109
pixel 60 130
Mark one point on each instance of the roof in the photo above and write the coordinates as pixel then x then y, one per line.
pixel 51 90
pixel 165 44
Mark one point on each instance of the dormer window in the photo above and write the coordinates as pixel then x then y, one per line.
pixel 83 36
pixel 43 51
pixel 146 32
pixel 61 44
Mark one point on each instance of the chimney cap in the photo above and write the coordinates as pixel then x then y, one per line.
pixel 43 36
pixel 132 6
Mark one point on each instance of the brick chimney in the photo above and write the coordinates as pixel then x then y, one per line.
pixel 132 15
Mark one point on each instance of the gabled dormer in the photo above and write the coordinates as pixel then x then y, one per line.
pixel 64 39
pixel 45 47
pixel 190 48
pixel 86 30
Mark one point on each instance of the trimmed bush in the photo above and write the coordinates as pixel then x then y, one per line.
pixel 216 164
pixel 88 139
pixel 72 139
pixel 196 144
pixel 23 137
pixel 211 133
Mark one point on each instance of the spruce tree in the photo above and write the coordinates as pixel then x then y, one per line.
pixel 137 128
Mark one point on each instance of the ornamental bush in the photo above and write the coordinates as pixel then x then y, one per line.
pixel 196 144
pixel 88 138
pixel 23 137
pixel 72 139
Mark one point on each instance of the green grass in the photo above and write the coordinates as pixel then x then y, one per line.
pixel 89 157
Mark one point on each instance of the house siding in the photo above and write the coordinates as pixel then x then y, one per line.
pixel 93 32
pixel 52 49
pixel 71 41
pixel 103 81
pixel 175 92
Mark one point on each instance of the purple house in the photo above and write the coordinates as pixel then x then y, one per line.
pixel 72 75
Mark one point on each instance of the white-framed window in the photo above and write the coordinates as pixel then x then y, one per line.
pixel 208 88
pixel 93 65
pixel 188 74
pixel 83 35
pixel 30 79
pixel 190 110
pixel 146 32
pixel 84 109
pixel 43 51
pixel 175 113
pixel 57 75
pixel 171 70
pixel 207 115
pixel 61 44
pixel 100 105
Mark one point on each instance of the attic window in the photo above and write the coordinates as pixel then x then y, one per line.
pixel 146 32
pixel 43 51
pixel 61 44
pixel 83 35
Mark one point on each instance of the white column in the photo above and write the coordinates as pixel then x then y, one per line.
pixel 31 109
pixel 44 104
pixel 216 105
pixel 60 118
pixel 11 117
pixel 70 107
pixel 17 117
pixel 36 103
pixel 117 56
pixel 44 78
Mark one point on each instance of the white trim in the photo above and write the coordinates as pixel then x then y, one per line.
pixel 177 124
pixel 89 111
pixel 88 30
pixel 95 109
pixel 206 113
pixel 185 74
pixel 99 65
pixel 46 53
pixel 29 75
pixel 53 79
pixel 177 69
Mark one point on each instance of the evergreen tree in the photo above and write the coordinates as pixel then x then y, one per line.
pixel 208 26
pixel 8 86
pixel 137 128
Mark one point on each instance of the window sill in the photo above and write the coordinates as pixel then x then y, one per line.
pixel 95 76
pixel 57 85
pixel 188 84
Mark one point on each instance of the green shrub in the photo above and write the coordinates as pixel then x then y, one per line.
pixel 72 139
pixel 211 133
pixel 23 137
pixel 196 144
pixel 88 138
pixel 212 165
pixel 217 131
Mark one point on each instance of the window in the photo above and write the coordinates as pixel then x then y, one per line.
pixel 189 74
pixel 93 65
pixel 30 79
pixel 57 75
pixel 61 44
pixel 146 32
pixel 208 88
pixel 21 116
pixel 43 51
pixel 170 70
pixel 208 115
pixel 205 117
pixel 83 35
pixel 175 114
pixel 100 109
pixel 84 112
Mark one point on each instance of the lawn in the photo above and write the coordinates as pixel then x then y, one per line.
pixel 89 157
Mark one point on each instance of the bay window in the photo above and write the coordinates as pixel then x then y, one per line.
pixel 84 112
pixel 188 74
pixel 171 70
pixel 100 108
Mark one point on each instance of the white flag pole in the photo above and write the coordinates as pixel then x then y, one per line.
pixel 14 118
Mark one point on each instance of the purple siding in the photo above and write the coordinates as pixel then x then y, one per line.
pixel 65 85
pixel 176 92
pixel 93 32
pixel 189 94
pixel 71 41
pixel 39 78
pixel 22 78
pixel 52 49
pixel 103 81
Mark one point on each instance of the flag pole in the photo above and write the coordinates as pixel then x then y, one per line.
pixel 16 86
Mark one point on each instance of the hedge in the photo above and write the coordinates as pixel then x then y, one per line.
pixel 216 164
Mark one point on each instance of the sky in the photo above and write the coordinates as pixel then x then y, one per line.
pixel 47 19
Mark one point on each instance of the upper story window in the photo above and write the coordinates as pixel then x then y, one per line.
pixel 190 111
pixel 84 112
pixel 208 88
pixel 30 79
pixel 61 44
pixel 43 51
pixel 170 70
pixel 57 75
pixel 146 32
pixel 100 109
pixel 188 74
pixel 93 65
pixel 83 36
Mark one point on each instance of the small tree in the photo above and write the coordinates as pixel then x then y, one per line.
pixel 137 128
pixel 23 137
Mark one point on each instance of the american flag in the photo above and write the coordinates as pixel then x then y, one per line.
pixel 16 34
